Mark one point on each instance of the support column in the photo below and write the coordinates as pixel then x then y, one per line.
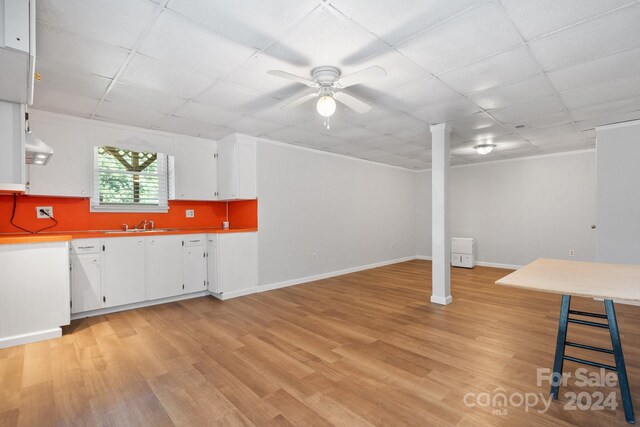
pixel 440 234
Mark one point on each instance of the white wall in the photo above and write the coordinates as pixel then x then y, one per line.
pixel 618 193
pixel 350 212
pixel 519 210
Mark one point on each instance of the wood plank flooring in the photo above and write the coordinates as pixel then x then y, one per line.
pixel 356 350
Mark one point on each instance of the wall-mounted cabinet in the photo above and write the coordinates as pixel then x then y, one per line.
pixel 69 172
pixel 237 167
pixel 194 169
pixel 12 128
pixel 17 50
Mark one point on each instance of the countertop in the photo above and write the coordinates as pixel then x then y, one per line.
pixel 63 236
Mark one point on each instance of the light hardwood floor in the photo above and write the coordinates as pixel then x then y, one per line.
pixel 361 349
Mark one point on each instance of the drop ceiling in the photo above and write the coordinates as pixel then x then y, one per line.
pixel 199 67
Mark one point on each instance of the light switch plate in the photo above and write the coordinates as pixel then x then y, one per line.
pixel 190 213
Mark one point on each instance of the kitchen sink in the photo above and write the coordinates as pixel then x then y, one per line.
pixel 134 231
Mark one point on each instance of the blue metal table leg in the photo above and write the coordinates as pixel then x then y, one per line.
pixel 560 344
pixel 619 358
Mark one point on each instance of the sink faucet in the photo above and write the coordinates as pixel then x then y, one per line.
pixel 143 225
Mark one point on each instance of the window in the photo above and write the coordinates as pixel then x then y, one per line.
pixel 127 180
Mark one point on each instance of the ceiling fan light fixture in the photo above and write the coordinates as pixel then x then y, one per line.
pixel 484 148
pixel 326 106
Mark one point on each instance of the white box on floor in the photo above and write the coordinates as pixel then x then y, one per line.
pixel 462 252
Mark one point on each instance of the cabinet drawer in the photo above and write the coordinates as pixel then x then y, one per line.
pixel 194 240
pixel 212 240
pixel 85 246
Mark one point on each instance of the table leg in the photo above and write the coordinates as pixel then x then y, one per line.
pixel 619 358
pixel 560 344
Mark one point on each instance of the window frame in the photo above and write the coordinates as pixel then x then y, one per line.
pixel 162 172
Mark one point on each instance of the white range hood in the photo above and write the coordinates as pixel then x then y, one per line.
pixel 36 151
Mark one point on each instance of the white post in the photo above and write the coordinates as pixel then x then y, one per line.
pixel 441 241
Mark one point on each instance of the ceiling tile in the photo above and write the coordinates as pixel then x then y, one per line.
pixel 378 112
pixel 400 71
pixel 513 93
pixel 406 147
pixel 62 80
pixel 520 113
pixel 252 126
pixel 534 135
pixel 123 113
pixel 610 67
pixel 560 147
pixel 183 44
pixel 117 22
pixel 370 154
pixel 78 54
pixel 425 92
pixel 254 24
pixel 193 128
pixel 287 117
pixel 138 97
pixel 381 142
pixel 603 35
pixel 487 133
pixel 252 74
pixel 608 119
pixel 316 124
pixel 463 39
pixel 446 112
pixel 206 114
pixel 605 92
pixel 355 134
pixel 611 111
pixel 559 139
pixel 349 148
pixel 235 98
pixel 495 70
pixel 535 18
pixel 395 123
pixel 547 120
pixel 420 136
pixel 395 21
pixel 295 135
pixel 329 38
pixel 152 74
pixel 50 99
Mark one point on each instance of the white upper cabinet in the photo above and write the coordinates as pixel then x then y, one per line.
pixel 195 169
pixel 237 167
pixel 17 50
pixel 70 170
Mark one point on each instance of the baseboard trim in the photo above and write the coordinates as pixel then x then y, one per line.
pixel 30 337
pixel 498 265
pixel 141 304
pixel 307 279
pixel 424 257
pixel 235 294
pixel 441 300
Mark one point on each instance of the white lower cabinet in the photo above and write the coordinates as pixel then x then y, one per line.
pixel 164 266
pixel 236 266
pixel 116 271
pixel 124 271
pixel 86 282
pixel 194 263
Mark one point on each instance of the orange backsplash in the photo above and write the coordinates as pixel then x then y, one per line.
pixel 73 214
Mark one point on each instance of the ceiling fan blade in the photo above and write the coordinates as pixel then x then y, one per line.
pixel 352 102
pixel 300 98
pixel 362 76
pixel 285 75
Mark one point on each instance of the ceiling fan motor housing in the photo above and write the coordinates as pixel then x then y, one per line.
pixel 325 75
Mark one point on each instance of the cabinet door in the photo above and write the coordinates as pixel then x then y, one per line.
pixel 86 293
pixel 246 171
pixel 164 266
pixel 69 171
pixel 195 269
pixel 237 262
pixel 212 269
pixel 195 169
pixel 227 169
pixel 124 271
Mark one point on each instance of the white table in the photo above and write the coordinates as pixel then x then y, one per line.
pixel 591 280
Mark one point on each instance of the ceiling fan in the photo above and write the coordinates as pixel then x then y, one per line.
pixel 327 85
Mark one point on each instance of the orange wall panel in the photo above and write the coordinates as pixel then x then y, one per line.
pixel 74 214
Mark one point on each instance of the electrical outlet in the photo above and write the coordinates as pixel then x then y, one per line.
pixel 572 252
pixel 47 209
pixel 393 246
pixel 190 213
pixel 314 256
